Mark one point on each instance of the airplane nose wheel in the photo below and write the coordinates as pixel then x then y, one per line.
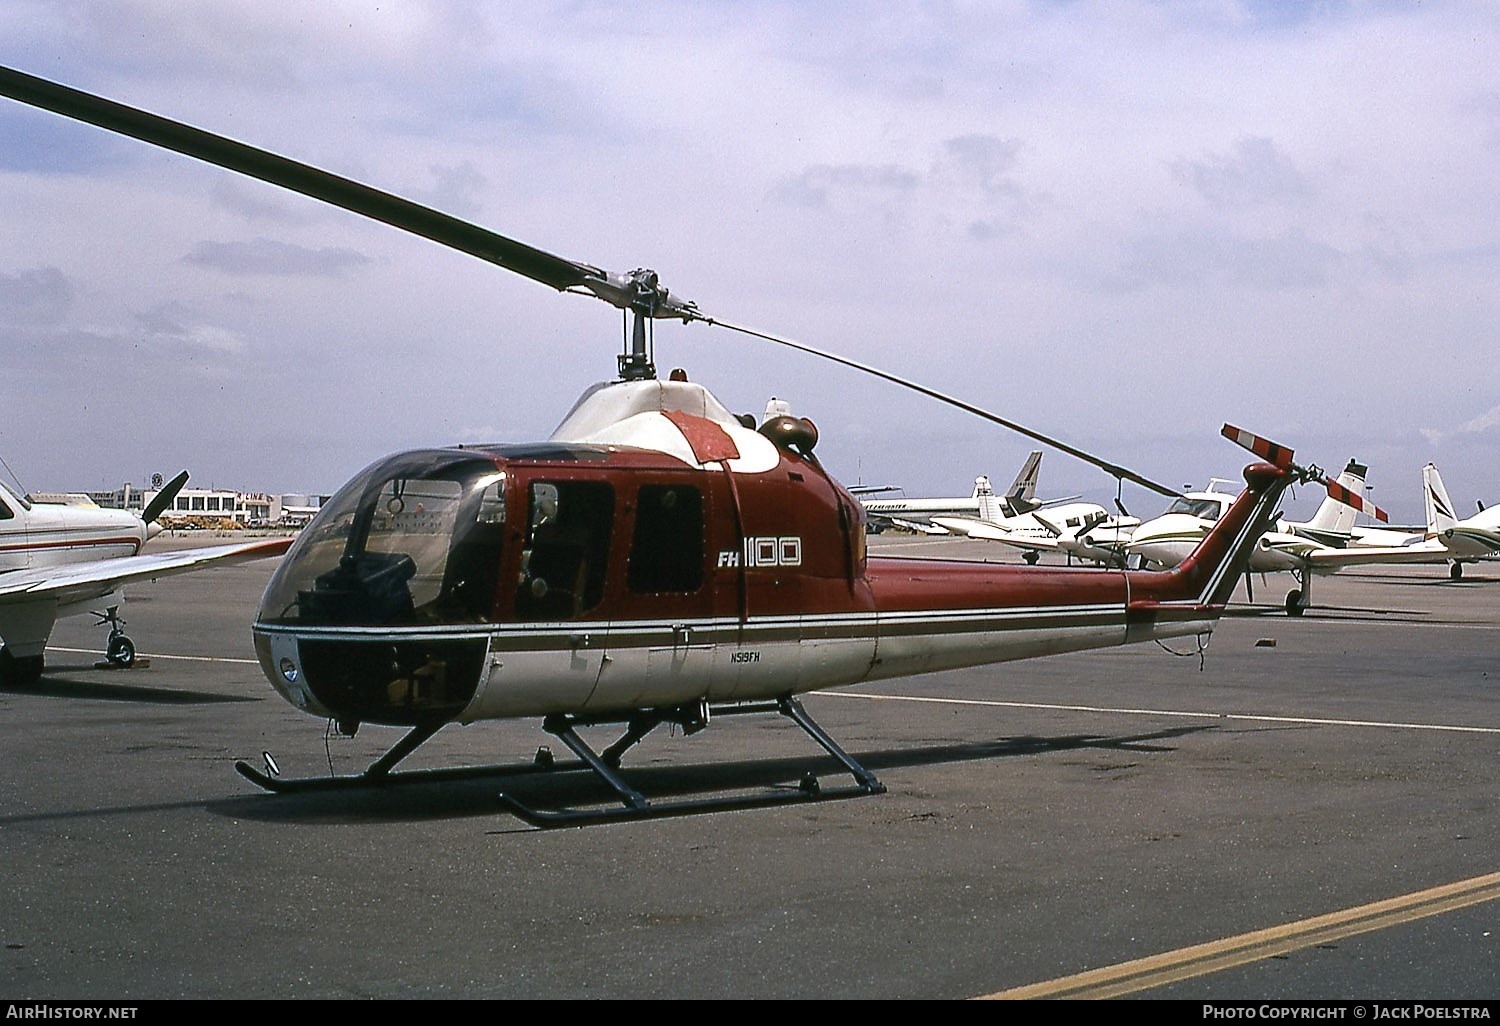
pixel 119 651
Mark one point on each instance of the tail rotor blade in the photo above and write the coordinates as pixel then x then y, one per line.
pixel 1273 453
pixel 1281 456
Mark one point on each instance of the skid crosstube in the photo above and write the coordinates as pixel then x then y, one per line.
pixel 635 806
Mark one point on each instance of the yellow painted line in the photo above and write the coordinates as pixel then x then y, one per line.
pixel 1202 959
pixel 1185 714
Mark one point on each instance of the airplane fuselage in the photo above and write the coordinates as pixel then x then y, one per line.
pixel 35 534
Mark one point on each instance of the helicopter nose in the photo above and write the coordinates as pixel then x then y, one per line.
pixel 281 662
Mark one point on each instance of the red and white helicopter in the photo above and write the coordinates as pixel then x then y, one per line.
pixel 59 560
pixel 656 560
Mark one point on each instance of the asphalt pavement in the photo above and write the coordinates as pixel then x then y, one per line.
pixel 1227 816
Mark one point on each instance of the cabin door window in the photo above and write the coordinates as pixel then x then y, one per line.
pixel 666 551
pixel 566 551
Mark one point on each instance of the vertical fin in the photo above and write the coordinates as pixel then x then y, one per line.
pixel 1334 515
pixel 1440 514
pixel 1021 496
pixel 989 504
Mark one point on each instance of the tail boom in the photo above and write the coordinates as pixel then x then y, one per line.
pixel 943 614
pixel 1191 596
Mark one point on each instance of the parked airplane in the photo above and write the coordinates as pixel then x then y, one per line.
pixel 1079 529
pixel 1327 543
pixel 1461 541
pixel 61 560
pixel 917 514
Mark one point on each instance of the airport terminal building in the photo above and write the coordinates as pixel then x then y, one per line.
pixel 204 505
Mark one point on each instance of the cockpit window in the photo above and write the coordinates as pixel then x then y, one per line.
pixel 415 539
pixel 1203 509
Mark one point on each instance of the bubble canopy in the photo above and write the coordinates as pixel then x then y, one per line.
pixel 414 539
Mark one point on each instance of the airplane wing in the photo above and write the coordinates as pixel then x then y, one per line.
pixel 1328 560
pixel 916 527
pixel 986 530
pixel 80 582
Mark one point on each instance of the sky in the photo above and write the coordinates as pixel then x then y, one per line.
pixel 1119 223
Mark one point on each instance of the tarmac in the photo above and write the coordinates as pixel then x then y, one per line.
pixel 1307 810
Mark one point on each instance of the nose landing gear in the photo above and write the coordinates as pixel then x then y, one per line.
pixel 119 651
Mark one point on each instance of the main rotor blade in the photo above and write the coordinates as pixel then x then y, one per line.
pixel 638 290
pixel 1113 469
pixel 529 261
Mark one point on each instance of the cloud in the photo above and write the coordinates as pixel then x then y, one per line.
pixel 39 296
pixel 1255 172
pixel 1478 425
pixel 170 329
pixel 984 162
pixel 1205 257
pixel 30 142
pixel 267 256
pixel 253 201
pixel 824 185
pixel 457 190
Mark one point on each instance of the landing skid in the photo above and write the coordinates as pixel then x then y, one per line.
pixel 605 765
pixel 635 806
pixel 379 773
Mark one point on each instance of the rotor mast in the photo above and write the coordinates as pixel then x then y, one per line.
pixel 640 293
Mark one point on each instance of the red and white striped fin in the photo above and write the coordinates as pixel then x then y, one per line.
pixel 1352 498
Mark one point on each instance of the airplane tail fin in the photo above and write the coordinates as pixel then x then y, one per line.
pixel 1440 515
pixel 1021 496
pixel 1337 517
pixel 990 505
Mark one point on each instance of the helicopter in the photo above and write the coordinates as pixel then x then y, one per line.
pixel 656 560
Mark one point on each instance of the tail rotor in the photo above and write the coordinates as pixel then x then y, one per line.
pixel 1282 457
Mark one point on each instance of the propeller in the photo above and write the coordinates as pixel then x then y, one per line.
pixel 638 291
pixel 1047 525
pixel 1281 457
pixel 164 498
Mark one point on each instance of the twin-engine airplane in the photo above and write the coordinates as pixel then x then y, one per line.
pixel 918 514
pixel 58 560
pixel 656 560
pixel 1082 530
pixel 1326 544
